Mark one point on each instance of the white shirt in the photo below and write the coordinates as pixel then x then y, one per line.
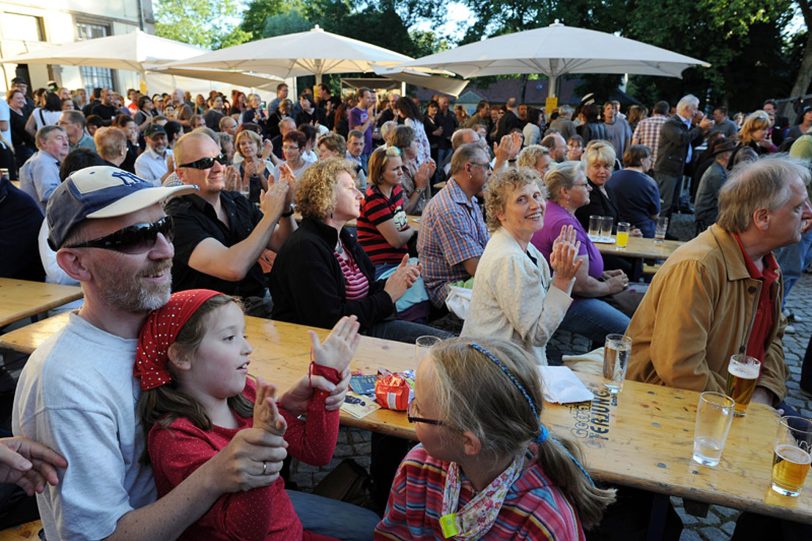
pixel 5 115
pixel 152 166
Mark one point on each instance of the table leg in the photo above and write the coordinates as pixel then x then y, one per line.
pixel 659 512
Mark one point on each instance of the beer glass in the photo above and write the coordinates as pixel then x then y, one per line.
pixel 616 352
pixel 742 375
pixel 606 228
pixel 661 229
pixel 423 344
pixel 791 455
pixel 622 238
pixel 594 227
pixel 714 415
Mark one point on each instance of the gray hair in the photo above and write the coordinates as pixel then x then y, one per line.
pixel 687 101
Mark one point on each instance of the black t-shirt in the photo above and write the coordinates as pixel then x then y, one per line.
pixel 195 220
pixel 107 112
pixel 20 220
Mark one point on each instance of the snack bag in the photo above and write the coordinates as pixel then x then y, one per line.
pixel 394 390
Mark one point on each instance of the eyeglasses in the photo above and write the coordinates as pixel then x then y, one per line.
pixel 486 164
pixel 411 416
pixel 289 147
pixel 133 239
pixel 206 163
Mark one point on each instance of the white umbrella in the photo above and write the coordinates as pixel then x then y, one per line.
pixel 446 85
pixel 132 51
pixel 248 80
pixel 557 50
pixel 314 52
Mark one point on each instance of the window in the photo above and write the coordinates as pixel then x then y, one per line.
pixel 21 27
pixel 93 77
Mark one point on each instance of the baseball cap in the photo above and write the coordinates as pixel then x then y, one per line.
pixel 101 192
pixel 154 129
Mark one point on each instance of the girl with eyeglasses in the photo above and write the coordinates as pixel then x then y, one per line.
pixel 192 363
pixel 486 467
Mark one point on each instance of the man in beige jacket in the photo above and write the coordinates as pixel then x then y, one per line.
pixel 720 293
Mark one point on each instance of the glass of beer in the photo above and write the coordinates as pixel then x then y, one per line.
pixel 742 375
pixel 791 455
pixel 616 352
pixel 622 238
pixel 661 229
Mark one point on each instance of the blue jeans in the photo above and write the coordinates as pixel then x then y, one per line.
pixel 594 319
pixel 793 259
pixel 404 331
pixel 334 518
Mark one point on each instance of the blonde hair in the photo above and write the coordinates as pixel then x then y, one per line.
pixel 248 134
pixel 599 151
pixel 475 395
pixel 503 185
pixel 316 191
pixel 334 142
pixel 377 161
pixel 763 184
pixel 757 120
pixel 110 143
pixel 562 177
pixel 530 155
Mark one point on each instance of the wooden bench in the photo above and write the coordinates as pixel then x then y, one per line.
pixel 29 530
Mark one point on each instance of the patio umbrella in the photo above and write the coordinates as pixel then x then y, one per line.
pixel 248 80
pixel 133 51
pixel 557 50
pixel 314 52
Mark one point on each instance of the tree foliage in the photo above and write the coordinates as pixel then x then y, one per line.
pixel 199 22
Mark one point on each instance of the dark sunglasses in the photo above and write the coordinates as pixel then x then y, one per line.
pixel 133 239
pixel 206 163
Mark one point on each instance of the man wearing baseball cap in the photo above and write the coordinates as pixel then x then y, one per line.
pixel 77 393
pixel 152 164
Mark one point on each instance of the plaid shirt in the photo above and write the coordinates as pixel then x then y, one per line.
pixel 452 230
pixel 648 133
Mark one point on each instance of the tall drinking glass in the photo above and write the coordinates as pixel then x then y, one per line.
pixel 742 375
pixel 714 415
pixel 616 352
pixel 423 344
pixel 594 227
pixel 661 229
pixel 606 228
pixel 791 455
pixel 622 238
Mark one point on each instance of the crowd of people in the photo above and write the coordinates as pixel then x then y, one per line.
pixel 177 216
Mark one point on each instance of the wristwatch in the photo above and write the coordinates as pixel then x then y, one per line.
pixel 288 213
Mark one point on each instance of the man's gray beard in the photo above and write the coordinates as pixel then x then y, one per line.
pixel 132 298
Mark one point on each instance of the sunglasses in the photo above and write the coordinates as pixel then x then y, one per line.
pixel 206 163
pixel 133 239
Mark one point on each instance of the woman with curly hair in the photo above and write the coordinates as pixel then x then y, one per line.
pixel 322 274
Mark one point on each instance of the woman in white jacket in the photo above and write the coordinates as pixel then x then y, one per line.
pixel 515 297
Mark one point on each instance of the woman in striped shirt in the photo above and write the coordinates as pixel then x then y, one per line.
pixel 486 468
pixel 383 229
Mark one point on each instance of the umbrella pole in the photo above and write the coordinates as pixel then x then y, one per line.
pixel 552 83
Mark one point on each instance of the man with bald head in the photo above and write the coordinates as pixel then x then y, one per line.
pixel 219 235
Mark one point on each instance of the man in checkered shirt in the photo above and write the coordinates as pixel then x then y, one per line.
pixel 648 129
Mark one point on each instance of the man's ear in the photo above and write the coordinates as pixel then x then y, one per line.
pixel 177 359
pixel 761 219
pixel 73 263
pixel 471 444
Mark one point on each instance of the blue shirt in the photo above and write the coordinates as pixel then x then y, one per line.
pixel 39 177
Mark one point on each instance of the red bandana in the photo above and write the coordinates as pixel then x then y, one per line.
pixel 160 331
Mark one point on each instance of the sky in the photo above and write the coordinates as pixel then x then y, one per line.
pixel 457 22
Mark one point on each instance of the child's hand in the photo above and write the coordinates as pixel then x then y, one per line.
pixel 266 414
pixel 337 350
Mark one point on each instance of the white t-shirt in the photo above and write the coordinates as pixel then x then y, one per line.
pixel 77 395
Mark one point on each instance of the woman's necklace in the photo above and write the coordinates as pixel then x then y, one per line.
pixel 340 247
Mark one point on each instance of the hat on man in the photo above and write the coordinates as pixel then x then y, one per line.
pixel 101 192
pixel 154 129
pixel 728 145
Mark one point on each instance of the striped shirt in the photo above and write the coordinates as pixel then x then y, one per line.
pixel 533 509
pixel 648 133
pixel 356 285
pixel 376 210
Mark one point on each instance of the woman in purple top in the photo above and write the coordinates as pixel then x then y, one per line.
pixel 589 314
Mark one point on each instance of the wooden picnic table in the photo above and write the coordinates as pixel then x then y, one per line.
pixel 20 299
pixel 641 247
pixel 643 439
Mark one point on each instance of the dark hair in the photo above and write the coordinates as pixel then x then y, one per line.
pixel 122 120
pixel 362 91
pixel 143 100
pixel 308 97
pixel 408 108
pixel 591 112
pixel 95 120
pixel 79 159
pixel 309 131
pixel 661 108
pixel 769 102
pixel 635 154
pixel 482 104
pixel 721 108
pixel 52 102
pixel 164 404
pixel 280 86
pixel 172 129
pixel 432 103
pixel 297 137
pixel 75 117
pixel 577 139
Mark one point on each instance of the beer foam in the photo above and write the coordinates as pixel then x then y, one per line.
pixel 793 453
pixel 744 371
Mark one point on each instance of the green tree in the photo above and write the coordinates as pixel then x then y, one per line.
pixel 199 22
pixel 802 81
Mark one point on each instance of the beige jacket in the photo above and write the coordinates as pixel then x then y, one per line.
pixel 699 311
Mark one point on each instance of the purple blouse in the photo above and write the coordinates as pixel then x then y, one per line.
pixel 555 218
